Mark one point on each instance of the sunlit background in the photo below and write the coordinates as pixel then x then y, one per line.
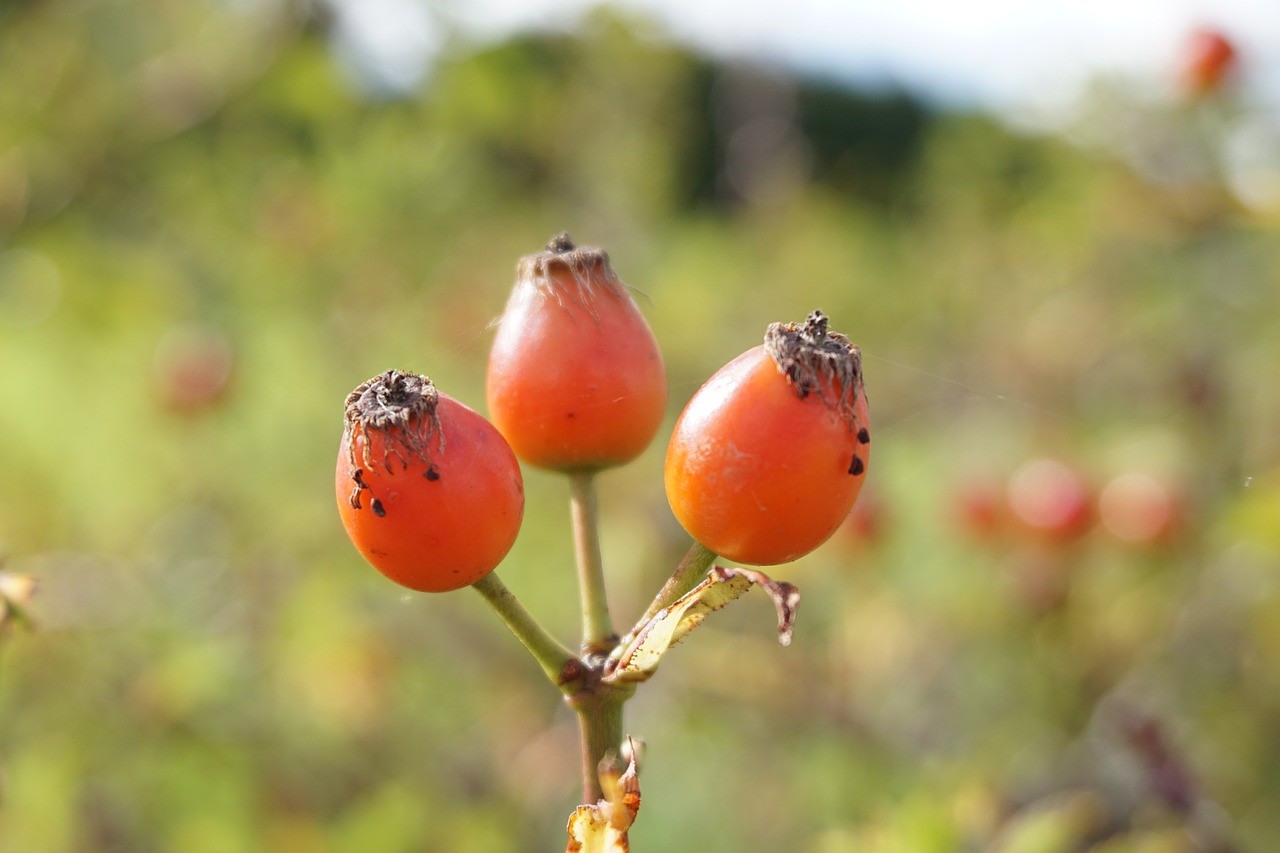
pixel 1052 622
pixel 998 54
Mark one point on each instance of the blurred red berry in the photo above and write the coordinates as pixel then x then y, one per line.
pixel 978 510
pixel 1050 498
pixel 193 366
pixel 1139 508
pixel 1208 58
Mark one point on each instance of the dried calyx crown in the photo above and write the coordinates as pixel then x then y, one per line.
pixel 588 268
pixel 400 405
pixel 816 360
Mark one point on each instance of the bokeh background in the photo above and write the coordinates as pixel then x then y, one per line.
pixel 1051 624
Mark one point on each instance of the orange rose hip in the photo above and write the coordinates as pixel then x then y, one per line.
pixel 576 381
pixel 428 490
pixel 770 454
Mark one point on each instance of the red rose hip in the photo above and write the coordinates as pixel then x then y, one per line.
pixel 428 490
pixel 769 456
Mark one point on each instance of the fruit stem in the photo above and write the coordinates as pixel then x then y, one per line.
pixel 598 636
pixel 561 665
pixel 697 561
pixel 599 711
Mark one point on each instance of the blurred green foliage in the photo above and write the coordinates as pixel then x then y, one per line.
pixel 208 236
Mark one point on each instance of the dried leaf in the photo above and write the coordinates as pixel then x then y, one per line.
pixel 722 585
pixel 603 827
pixel 16 591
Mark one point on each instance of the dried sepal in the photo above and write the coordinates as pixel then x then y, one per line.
pixel 815 360
pixel 563 263
pixel 402 407
pixel 640 658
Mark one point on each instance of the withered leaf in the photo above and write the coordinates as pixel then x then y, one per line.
pixel 640 659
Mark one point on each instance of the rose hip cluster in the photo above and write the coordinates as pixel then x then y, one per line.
pixel 1050 501
pixel 764 464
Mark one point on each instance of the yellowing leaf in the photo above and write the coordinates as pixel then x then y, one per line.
pixel 640 659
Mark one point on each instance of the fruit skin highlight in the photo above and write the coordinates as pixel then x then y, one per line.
pixel 576 381
pixel 770 455
pixel 428 490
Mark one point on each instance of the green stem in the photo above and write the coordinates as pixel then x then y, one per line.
pixel 600 727
pixel 561 665
pixel 695 564
pixel 597 628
